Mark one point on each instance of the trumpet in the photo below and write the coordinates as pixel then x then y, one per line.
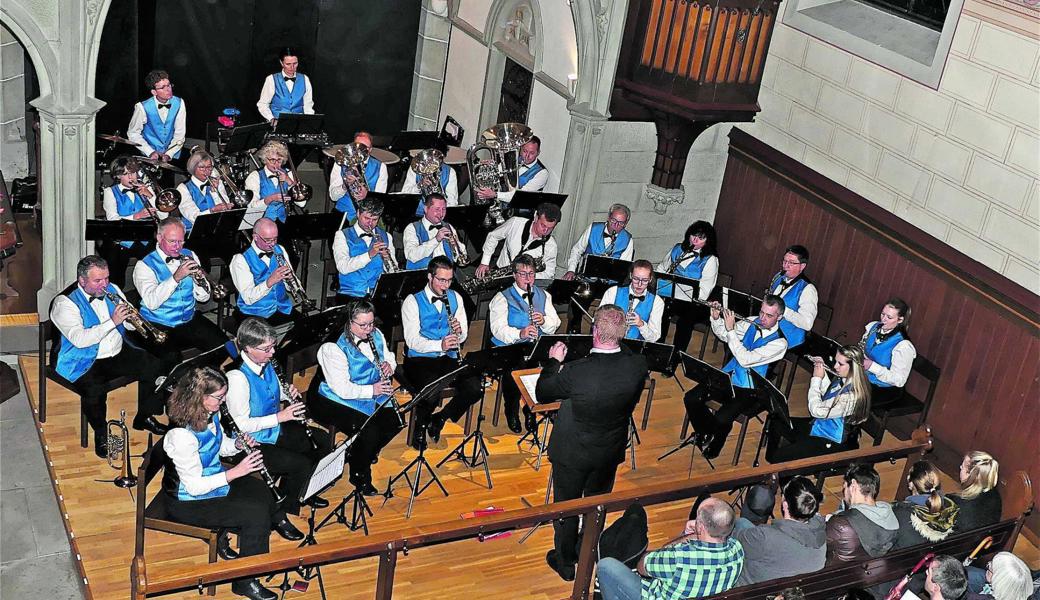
pixel 457 247
pixel 351 158
pixel 287 395
pixel 294 286
pixel 389 262
pixel 235 432
pixel 134 318
pixel 216 290
pixel 119 451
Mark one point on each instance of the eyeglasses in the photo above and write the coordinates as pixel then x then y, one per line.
pixel 219 398
pixel 270 241
pixel 367 325
pixel 790 263
pixel 165 86
pixel 641 279
pixel 265 349
pixel 614 221
pixel 525 274
pixel 444 280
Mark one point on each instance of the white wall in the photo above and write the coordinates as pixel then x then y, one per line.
pixel 559 56
pixel 464 82
pixel 550 119
pixel 14 159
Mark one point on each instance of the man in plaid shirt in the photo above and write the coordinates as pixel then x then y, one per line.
pixel 702 562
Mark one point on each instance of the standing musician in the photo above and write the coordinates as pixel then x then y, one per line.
pixel 643 307
pixel 694 258
pixel 448 181
pixel 531 173
pixel 597 395
pixel 608 238
pixel 754 346
pixel 286 91
pixel 361 252
pixel 200 491
pixel 375 180
pixel 837 409
pixel 157 125
pixel 435 328
pixel 259 274
pixel 127 199
pixel 430 236
pixel 798 292
pixel 518 315
pixel 166 280
pixel 889 352
pixel 291 448
pixel 202 194
pixel 270 185
pixel 91 351
pixel 525 236
pixel 353 384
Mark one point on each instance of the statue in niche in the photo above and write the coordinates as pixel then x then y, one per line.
pixel 518 28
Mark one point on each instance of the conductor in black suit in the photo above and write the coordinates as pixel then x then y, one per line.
pixel 598 394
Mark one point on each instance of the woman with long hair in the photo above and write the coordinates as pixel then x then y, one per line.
pixel 838 407
pixel 694 257
pixel 927 515
pixel 979 499
pixel 889 352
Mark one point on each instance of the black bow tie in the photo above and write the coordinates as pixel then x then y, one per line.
pixel 364 235
pixel 606 234
pixel 164 106
pixel 639 298
pixel 263 255
pixel 170 259
pixel 528 296
pixel 292 79
pixel 436 226
pixel 441 299
pixel 96 298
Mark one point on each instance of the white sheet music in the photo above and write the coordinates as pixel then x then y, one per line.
pixel 329 468
pixel 725 297
pixel 530 382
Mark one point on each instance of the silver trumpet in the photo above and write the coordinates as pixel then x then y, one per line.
pixel 216 290
pixel 134 318
pixel 457 247
pixel 294 286
pixel 119 452
pixel 389 262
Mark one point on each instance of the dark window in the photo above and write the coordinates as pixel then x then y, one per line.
pixel 516 93
pixel 930 13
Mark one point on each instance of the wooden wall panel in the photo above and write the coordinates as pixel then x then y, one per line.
pixel 980 328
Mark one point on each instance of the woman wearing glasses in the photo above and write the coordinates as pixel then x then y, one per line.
pixel 694 257
pixel 270 184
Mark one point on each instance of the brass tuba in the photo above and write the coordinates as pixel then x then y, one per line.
pixel 119 452
pixel 494 163
pixel 427 165
pixel 352 157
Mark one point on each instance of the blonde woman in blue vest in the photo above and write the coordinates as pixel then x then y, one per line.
pixel 889 352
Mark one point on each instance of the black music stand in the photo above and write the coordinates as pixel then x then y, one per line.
pixel 307 334
pixel 307 227
pixel 817 344
pixel 123 230
pixel 671 280
pixel 246 137
pixel 296 124
pixel 716 381
pixel 470 220
pixel 578 346
pixel 213 357
pixel 658 355
pixel 524 203
pixel 769 396
pixel 216 234
pixel 606 268
pixel 405 141
pixel 742 303
pixel 398 209
pixel 391 290
pixel 360 510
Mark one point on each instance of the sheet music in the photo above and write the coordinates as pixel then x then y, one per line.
pixel 251 216
pixel 530 382
pixel 329 469
pixel 908 595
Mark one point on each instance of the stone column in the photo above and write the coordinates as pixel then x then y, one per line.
pixel 431 59
pixel 578 176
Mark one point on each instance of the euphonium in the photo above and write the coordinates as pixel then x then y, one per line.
pixel 293 285
pixel 119 451
pixel 351 158
pixel 134 318
pixel 427 165
pixel 287 394
pixel 494 163
pixel 235 432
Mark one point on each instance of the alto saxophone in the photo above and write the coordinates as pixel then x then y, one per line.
pixel 287 392
pixel 235 432
pixel 134 318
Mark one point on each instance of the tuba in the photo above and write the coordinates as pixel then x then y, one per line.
pixel 352 157
pixel 494 163
pixel 427 165
pixel 119 452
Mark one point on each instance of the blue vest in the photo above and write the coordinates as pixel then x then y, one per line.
pixel 791 296
pixel 598 244
pixel 209 456
pixel 157 133
pixel 275 210
pixel 179 308
pixel 529 174
pixel 283 100
pixel 739 375
pixel 692 270
pixel 265 396
pixel 642 309
pixel 346 203
pixel 203 201
pixel 881 353
pixel 518 310
pixel 276 299
pixel 127 206
pixel 833 428
pixel 423 234
pixel 361 282
pixel 445 177
pixel 433 323
pixel 362 372
pixel 73 362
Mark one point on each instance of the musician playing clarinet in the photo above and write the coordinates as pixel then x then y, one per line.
pixel 430 236
pixel 643 308
pixel 362 251
pixel 435 328
pixel 519 315
pixel 260 273
pixel 353 384
pixel 341 180
pixel 291 448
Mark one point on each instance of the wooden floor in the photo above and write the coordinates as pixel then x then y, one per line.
pixel 101 516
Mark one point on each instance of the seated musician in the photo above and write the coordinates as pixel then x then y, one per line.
pixel 169 292
pixel 157 125
pixel 609 238
pixel 254 403
pixel 521 235
pixel 837 409
pixel 91 351
pixel 361 252
pixel 341 180
pixel 695 258
pixel 531 174
pixel 754 346
pixel 287 90
pixel 259 274
pixel 889 353
pixel 435 328
pixel 519 315
pixel 270 185
pixel 353 384
pixel 446 181
pixel 127 200
pixel 202 193
pixel 643 308
pixel 200 491
pixel 430 236
pixel 798 292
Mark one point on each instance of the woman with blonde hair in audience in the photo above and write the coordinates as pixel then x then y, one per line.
pixel 927 515
pixel 979 499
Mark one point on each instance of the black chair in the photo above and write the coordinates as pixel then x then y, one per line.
pixel 908 403
pixel 788 367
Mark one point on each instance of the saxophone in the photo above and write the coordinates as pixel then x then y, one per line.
pixel 234 432
pixel 474 284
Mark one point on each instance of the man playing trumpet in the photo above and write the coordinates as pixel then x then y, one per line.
pixel 362 252
pixel 430 236
pixel 260 274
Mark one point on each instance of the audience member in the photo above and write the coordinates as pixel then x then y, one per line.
pixel 926 515
pixel 979 499
pixel 1006 578
pixel 757 507
pixel 865 528
pixel 945 578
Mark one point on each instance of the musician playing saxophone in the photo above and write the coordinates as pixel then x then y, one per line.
pixel 430 236
pixel 362 251
pixel 521 235
pixel 259 277
pixel 643 307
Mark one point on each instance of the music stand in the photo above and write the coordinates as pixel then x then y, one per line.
pixel 469 219
pixel 658 355
pixel 213 357
pixel 308 333
pixel 524 203
pixel 297 124
pixel 246 137
pixel 405 141
pixel 718 383
pixel 742 303
pixel 399 210
pixel 123 230
pixel 578 346
pixel 769 396
pixel 391 290
pixel 817 344
pixel 216 234
pixel 666 283
pixel 606 268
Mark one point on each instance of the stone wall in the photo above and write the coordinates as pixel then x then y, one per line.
pixel 14 159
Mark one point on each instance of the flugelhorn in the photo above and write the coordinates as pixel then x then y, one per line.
pixel 119 451
pixel 134 318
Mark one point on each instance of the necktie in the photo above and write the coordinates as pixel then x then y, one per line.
pixel 441 299
pixel 171 259
pixel 96 298
pixel 436 226
pixel 528 297
pixel 161 106
pixel 606 233
pixel 264 255
pixel 292 79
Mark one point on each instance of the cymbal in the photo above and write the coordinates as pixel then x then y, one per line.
pixel 116 139
pixel 455 156
pixel 331 151
pixel 162 165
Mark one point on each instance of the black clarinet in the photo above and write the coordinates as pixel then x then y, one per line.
pixel 285 390
pixel 235 432
pixel 378 361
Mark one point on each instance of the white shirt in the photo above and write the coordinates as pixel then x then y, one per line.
pixel 190 210
pixel 841 405
pixel 182 447
pixel 411 322
pixel 267 93
pixel 237 400
pixel 243 277
pixel 153 293
pixel 903 356
pixel 345 263
pixel 498 312
pixel 512 231
pixel 134 131
pixel 338 187
pixel 112 212
pixel 709 277
pixel 415 251
pixel 651 330
pixel 804 317
pixel 763 355
pixel 579 248
pixel 451 193
pixel 253 185
pixel 336 367
pixel 536 184
pixel 66 317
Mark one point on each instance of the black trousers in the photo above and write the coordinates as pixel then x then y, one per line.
pixel 511 394
pixel 199 333
pixel 420 371
pixel 276 319
pixel 92 386
pixel 689 314
pixel 379 432
pixel 248 509
pixel 882 397
pixel 794 442
pixel 292 458
pixel 570 483
pixel 719 423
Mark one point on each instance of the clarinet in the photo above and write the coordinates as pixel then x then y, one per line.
pixel 285 391
pixel 234 432
pixel 378 361
pixel 454 327
pixel 530 309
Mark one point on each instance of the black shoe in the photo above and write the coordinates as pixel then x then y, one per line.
pixel 151 424
pixel 531 423
pixel 366 489
pixel 513 422
pixel 713 446
pixel 287 530
pixel 253 590
pixel 224 549
pixel 566 572
pixel 317 502
pixel 101 445
pixel 435 427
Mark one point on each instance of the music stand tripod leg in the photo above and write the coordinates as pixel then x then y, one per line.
pixel 548 494
pixel 480 451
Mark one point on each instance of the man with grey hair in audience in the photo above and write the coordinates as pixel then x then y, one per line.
pixel 945 578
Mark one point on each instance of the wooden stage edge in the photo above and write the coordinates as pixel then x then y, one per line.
pixel 19 320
